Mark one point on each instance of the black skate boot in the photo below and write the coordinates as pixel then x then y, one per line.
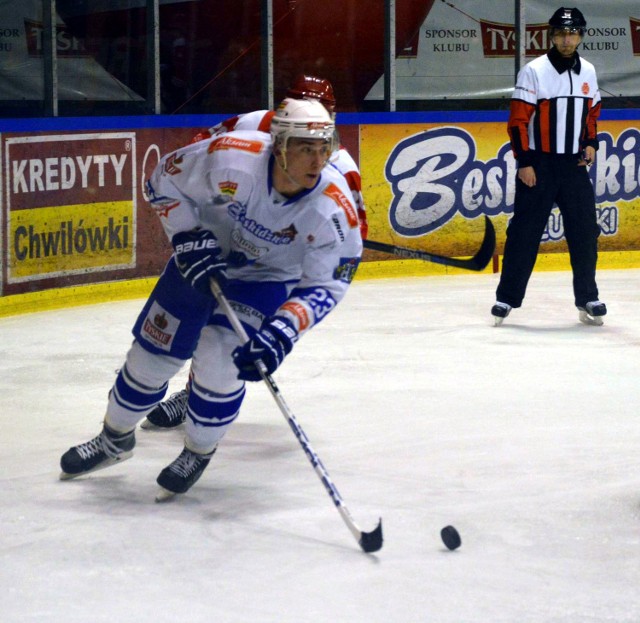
pixel 182 474
pixel 592 313
pixel 499 312
pixel 102 451
pixel 168 414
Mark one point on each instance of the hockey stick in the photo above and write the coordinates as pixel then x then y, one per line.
pixel 477 262
pixel 368 541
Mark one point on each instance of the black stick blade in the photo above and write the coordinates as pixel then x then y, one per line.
pixel 371 541
pixel 487 249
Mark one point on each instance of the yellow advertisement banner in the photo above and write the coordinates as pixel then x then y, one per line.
pixel 64 240
pixel 426 186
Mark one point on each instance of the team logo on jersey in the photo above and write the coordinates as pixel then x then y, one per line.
pixel 343 201
pixel 231 142
pixel 171 165
pixel 347 268
pixel 288 232
pixel 585 88
pixel 238 213
pixel 228 188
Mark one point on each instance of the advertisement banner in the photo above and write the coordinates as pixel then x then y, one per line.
pixel 466 49
pixel 70 204
pixel 427 185
pixel 74 209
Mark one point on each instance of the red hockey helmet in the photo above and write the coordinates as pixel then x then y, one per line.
pixel 311 87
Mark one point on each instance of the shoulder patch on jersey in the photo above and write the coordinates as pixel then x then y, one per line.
pixel 585 88
pixel 346 269
pixel 341 199
pixel 231 142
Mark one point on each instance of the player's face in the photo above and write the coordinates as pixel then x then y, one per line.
pixel 566 41
pixel 306 159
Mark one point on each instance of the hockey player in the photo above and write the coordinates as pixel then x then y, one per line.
pixel 172 412
pixel 553 131
pixel 278 229
pixel 304 87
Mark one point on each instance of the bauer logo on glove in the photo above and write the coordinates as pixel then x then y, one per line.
pixel 199 258
pixel 270 345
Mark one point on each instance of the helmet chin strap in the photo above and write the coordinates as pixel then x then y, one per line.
pixel 283 167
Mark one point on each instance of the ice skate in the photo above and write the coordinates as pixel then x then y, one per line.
pixel 499 312
pixel 592 313
pixel 182 474
pixel 168 414
pixel 108 448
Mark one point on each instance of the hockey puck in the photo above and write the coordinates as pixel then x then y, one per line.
pixel 450 537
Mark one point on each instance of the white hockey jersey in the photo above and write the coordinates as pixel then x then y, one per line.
pixel 224 184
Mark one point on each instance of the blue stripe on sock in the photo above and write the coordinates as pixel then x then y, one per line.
pixel 208 408
pixel 134 396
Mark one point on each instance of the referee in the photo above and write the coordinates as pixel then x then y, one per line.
pixel 553 131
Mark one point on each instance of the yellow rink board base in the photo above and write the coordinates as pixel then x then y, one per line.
pixel 140 288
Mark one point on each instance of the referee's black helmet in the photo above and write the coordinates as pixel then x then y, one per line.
pixel 568 18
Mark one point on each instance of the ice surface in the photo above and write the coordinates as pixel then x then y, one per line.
pixel 526 437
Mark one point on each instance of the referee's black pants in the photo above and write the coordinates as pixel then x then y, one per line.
pixel 559 180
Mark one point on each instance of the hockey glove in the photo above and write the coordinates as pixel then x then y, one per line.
pixel 199 257
pixel 270 345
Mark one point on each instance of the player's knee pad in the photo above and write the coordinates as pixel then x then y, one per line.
pixel 212 366
pixel 149 369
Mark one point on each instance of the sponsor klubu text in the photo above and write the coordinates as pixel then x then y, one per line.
pixel 499 39
pixel 69 238
pixel 434 176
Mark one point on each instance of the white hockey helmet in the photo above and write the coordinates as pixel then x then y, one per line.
pixel 303 118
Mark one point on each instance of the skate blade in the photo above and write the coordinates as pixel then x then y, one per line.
pixel 497 321
pixel 164 495
pixel 108 463
pixel 594 321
